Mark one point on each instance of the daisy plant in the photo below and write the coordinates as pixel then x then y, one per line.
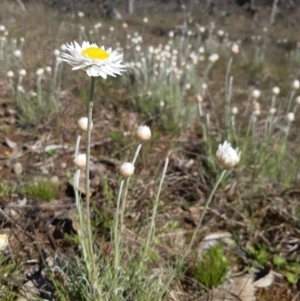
pixel 95 61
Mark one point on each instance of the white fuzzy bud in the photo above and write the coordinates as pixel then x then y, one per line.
pixel 80 161
pixel 40 72
pixel 56 52
pixel 255 93
pixel 199 98
pixel 188 86
pixel 3 242
pixel 171 34
pixel 235 49
pixel 48 69
pixel 22 72
pixel 10 74
pixel 290 117
pixel 296 84
pixel 221 33
pixel 17 53
pixel 143 133
pixel 127 169
pixel 63 47
pixel 276 90
pixel 234 110
pixel 297 100
pixel 228 157
pixel 145 20
pixel 213 58
pixel 272 111
pixel 83 124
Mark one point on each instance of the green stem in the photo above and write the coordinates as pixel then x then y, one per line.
pixel 87 184
pixel 116 228
pixel 152 226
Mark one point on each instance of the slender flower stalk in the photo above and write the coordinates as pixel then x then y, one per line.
pixel 228 88
pixel 152 226
pixel 87 183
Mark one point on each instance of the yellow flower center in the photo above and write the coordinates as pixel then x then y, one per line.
pixel 95 53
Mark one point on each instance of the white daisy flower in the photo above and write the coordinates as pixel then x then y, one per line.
pixel 94 60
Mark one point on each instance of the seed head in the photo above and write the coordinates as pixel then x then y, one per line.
pixel 127 169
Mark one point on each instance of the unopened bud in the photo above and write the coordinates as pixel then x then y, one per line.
pixel 290 117
pixel 83 124
pixel 296 84
pixel 276 90
pixel 143 133
pixel 127 169
pixel 80 161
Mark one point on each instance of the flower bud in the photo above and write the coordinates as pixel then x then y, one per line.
pixel 80 161
pixel 56 52
pixel 297 100
pixel 213 58
pixel 276 90
pixel 83 124
pixel 22 72
pixel 255 93
pixel 234 110
pixel 199 98
pixel 290 117
pixel 127 169
pixel 273 111
pixel 10 74
pixel 235 49
pixel 3 242
pixel 143 133
pixel 40 72
pixel 228 157
pixel 296 84
pixel 17 53
pixel 256 108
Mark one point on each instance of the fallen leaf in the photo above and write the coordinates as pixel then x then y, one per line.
pixel 264 281
pixel 11 144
